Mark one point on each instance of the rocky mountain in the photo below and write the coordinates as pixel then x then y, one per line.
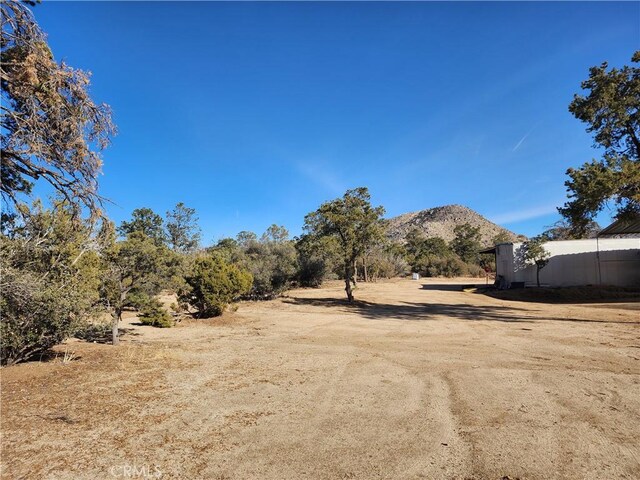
pixel 440 222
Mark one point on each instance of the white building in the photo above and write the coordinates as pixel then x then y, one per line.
pixel 597 261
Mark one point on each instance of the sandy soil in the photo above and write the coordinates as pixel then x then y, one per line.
pixel 417 380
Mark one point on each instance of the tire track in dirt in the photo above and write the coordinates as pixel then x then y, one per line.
pixel 450 455
pixel 446 453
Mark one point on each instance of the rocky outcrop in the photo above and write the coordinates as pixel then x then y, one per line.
pixel 440 222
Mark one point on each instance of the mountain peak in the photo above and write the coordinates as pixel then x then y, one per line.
pixel 441 221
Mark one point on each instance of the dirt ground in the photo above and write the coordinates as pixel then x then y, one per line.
pixel 417 380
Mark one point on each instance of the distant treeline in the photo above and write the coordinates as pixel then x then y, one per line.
pixel 60 270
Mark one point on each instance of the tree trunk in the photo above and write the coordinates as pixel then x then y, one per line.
pixel 364 269
pixel 355 271
pixel 347 281
pixel 538 275
pixel 117 315
pixel 115 318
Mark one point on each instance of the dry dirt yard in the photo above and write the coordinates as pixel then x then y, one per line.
pixel 417 380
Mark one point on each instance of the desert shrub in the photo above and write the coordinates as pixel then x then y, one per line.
pixel 36 314
pixel 487 262
pixel 318 260
pixel 433 257
pixel 272 262
pixel 155 315
pixel 474 270
pixel 311 271
pixel 48 279
pixel 385 264
pixel 93 331
pixel 271 259
pixel 214 284
pixel 450 266
pixel 273 266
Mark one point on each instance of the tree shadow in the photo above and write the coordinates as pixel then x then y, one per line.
pixel 91 334
pixel 51 355
pixel 588 294
pixel 414 311
pixel 449 287
pixel 98 334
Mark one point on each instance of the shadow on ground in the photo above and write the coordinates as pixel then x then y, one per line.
pixel 567 295
pixel 429 311
pixel 449 287
pixel 99 334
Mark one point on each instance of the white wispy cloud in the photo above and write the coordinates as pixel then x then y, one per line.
pixel 522 139
pixel 520 143
pixel 520 215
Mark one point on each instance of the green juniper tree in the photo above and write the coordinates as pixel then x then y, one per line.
pixel 213 284
pixel 146 222
pixel 136 264
pixel 353 222
pixel 611 108
pixel 466 243
pixel 183 232
pixel 318 258
pixel 49 277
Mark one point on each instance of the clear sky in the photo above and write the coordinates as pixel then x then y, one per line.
pixel 255 113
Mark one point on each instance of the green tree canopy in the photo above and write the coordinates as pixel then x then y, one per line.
pixel 466 243
pixel 136 264
pixel 228 249
pixel 183 232
pixel 418 246
pixel 49 278
pixel 246 238
pixel 318 258
pixel 501 237
pixel 213 284
pixel 432 256
pixel 275 233
pixel 611 108
pixel 354 222
pixel 146 222
pixel 272 259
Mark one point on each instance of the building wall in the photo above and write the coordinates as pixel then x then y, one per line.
pixel 504 264
pixel 607 261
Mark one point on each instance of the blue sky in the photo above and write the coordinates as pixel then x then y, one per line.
pixel 255 113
